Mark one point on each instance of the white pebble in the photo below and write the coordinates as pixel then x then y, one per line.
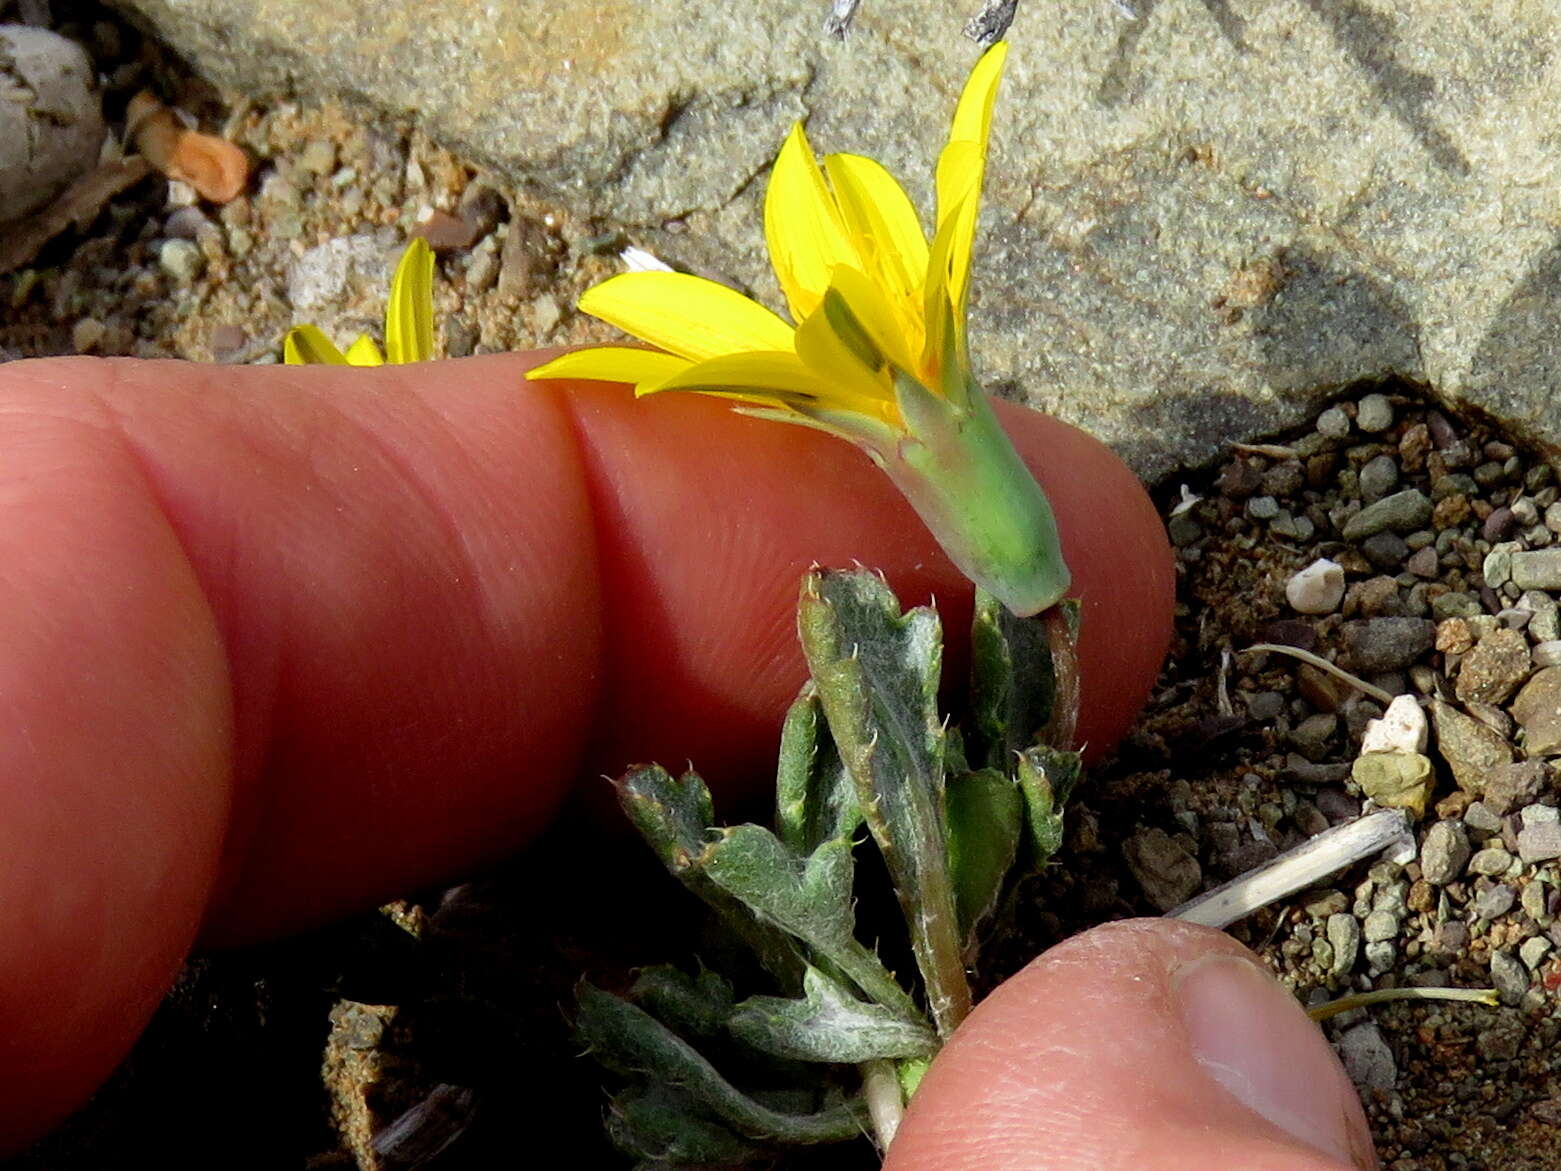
pixel 1402 728
pixel 1317 589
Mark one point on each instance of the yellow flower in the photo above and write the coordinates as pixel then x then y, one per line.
pixel 878 354
pixel 409 322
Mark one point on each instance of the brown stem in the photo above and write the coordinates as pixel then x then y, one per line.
pixel 1064 722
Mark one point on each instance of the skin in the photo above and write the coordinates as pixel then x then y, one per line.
pixel 273 640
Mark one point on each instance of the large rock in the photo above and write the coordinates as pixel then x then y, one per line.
pixel 1201 222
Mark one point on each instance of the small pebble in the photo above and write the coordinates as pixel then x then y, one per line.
pixel 1547 654
pixel 181 260
pixel 1494 901
pixel 1471 749
pixel 484 270
pixel 1297 528
pixel 1239 480
pixel 1479 816
pixel 1262 508
pixel 1512 786
pixel 1381 955
pixel 1168 874
pixel 1311 736
pixel 1424 563
pixel 227 341
pixel 1333 423
pixel 1402 727
pixel 1344 934
pixel 1385 644
pixel 1533 951
pixel 1491 861
pixel 1396 780
pixel 86 334
pixel 1374 413
pixel 1537 569
pixel 1496 570
pixel 1317 589
pixel 1540 843
pixel 1379 925
pixel 1535 903
pixel 1452 937
pixel 318 156
pixel 1537 709
pixel 1509 976
pixel 1444 853
pixel 185 224
pixel 1495 668
pixel 1378 478
pixel 1401 512
pixel 1455 605
pixel 1499 525
pixel 1385 550
pixel 1264 706
pixel 545 313
pixel 1537 814
pixel 1337 805
pixel 1367 1057
pixel 445 232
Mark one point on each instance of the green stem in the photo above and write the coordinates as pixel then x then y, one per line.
pixel 962 475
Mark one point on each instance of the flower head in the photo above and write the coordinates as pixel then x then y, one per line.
pixel 409 322
pixel 877 354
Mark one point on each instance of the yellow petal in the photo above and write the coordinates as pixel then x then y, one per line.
pixel 973 115
pixel 409 317
pixel 686 315
pixel 612 364
pixel 773 378
pixel 364 352
pixel 877 211
pixel 759 376
pixel 802 225
pixel 961 166
pixel 944 304
pixel 852 336
pixel 305 345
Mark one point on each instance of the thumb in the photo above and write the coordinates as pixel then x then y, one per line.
pixel 1150 1045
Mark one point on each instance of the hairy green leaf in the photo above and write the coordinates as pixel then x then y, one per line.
pixel 627 1039
pixel 985 815
pixel 829 1024
pixel 815 799
pixel 877 676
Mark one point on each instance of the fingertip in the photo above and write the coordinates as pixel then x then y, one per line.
pixel 1151 1044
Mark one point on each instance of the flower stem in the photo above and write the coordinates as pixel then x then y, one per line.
pixel 1062 639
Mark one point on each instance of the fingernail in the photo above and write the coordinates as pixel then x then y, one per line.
pixel 1256 1041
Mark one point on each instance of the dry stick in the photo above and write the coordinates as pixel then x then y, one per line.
pixel 1321 664
pixel 989 25
pixel 1297 869
pixel 839 19
pixel 1486 996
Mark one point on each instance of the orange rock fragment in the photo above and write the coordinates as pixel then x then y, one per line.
pixel 215 167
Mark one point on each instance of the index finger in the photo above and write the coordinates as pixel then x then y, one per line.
pixel 275 643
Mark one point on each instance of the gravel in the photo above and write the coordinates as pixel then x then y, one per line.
pixel 1444 852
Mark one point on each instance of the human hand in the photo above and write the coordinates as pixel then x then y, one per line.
pixel 277 643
